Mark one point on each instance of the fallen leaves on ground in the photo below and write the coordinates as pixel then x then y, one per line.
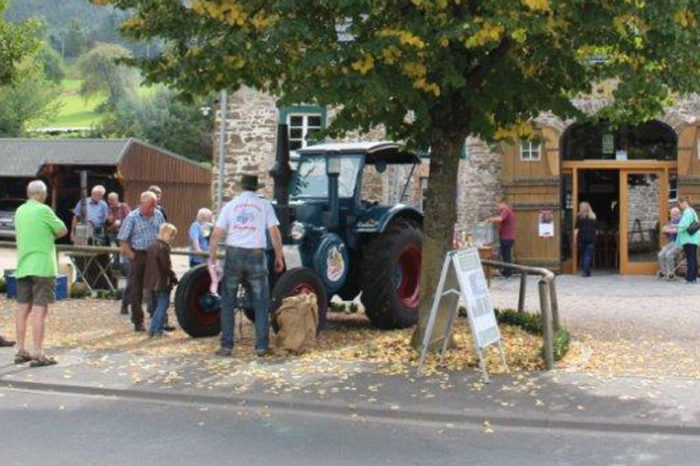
pixel 348 346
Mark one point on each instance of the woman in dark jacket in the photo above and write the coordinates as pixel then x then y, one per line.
pixel 584 234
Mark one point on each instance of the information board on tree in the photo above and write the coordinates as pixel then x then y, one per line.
pixel 463 276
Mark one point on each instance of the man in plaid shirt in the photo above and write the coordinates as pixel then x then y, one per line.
pixel 139 231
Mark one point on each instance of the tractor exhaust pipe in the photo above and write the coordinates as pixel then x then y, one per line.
pixel 281 173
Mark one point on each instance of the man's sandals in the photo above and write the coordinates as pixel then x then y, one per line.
pixel 23 357
pixel 42 361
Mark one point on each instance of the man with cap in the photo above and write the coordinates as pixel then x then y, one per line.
pixel 244 222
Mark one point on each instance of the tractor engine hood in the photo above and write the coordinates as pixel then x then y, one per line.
pixel 376 218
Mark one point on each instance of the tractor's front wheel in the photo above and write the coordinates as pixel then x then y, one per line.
pixel 391 276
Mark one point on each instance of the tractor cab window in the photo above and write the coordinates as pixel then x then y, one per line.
pixel 311 179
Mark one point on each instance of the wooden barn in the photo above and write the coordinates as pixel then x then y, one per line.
pixel 126 166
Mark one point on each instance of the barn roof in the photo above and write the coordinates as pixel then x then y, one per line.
pixel 25 157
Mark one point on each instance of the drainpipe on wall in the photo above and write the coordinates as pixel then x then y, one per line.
pixel 222 151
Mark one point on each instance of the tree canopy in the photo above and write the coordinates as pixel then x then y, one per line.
pixel 471 66
pixel 430 71
pixel 16 42
pixel 101 71
pixel 162 119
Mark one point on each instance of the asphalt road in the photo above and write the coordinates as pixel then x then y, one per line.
pixel 58 429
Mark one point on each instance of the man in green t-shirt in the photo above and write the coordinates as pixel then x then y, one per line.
pixel 36 226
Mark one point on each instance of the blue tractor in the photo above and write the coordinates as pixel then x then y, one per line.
pixel 335 243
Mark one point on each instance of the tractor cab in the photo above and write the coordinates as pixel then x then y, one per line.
pixel 329 177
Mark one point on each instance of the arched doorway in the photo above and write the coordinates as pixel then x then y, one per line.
pixel 628 175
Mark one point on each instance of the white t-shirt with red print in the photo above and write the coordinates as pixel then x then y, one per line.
pixel 246 219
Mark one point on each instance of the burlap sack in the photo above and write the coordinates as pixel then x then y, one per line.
pixel 297 319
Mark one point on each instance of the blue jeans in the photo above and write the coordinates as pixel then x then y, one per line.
pixel 691 261
pixel 249 266
pixel 506 255
pixel 587 250
pixel 162 299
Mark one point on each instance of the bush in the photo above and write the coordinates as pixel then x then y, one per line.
pixel 532 323
pixel 79 291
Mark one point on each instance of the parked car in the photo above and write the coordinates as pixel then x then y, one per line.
pixel 7 217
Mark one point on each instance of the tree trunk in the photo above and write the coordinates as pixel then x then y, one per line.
pixel 438 230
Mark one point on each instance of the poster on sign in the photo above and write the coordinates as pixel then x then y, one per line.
pixel 463 277
pixel 546 223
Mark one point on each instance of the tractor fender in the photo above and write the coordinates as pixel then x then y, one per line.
pixel 377 218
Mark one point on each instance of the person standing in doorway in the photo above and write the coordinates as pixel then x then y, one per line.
pixel 687 240
pixel 584 236
pixel 138 232
pixel 245 221
pixel 37 227
pixel 506 222
pixel 667 255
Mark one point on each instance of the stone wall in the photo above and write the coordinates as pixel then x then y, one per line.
pixel 251 130
pixel 251 127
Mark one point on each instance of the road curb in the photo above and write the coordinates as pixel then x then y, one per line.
pixel 474 418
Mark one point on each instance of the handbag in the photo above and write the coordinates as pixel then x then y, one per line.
pixel 693 227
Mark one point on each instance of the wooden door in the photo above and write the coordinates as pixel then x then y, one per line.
pixel 643 212
pixel 532 186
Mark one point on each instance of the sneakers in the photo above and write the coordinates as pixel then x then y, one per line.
pixel 262 352
pixel 169 328
pixel 224 352
pixel 124 310
pixel 157 335
pixel 139 328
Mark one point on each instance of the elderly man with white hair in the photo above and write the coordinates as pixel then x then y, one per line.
pixel 199 234
pixel 138 232
pixel 96 212
pixel 37 226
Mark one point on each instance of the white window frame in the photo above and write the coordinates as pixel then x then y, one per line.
pixel 304 126
pixel 530 151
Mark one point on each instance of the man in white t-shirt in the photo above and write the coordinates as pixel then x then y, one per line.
pixel 244 222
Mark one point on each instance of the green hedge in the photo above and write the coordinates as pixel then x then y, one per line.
pixel 532 323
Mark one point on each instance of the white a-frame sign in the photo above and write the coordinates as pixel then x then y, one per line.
pixel 463 276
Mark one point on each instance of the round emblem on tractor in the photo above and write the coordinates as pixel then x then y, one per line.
pixel 331 262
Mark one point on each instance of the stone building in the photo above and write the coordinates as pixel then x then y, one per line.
pixel 630 175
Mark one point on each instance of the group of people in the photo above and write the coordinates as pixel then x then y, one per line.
pixel 681 236
pixel 145 238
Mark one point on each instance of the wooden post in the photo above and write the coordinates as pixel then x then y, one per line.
pixel 546 325
pixel 521 295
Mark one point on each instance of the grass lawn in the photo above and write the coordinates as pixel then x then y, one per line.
pixel 75 111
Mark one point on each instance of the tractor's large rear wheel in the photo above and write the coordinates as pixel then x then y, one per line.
pixel 391 276
pixel 196 310
pixel 298 281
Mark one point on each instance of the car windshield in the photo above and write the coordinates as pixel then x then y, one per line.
pixel 311 180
